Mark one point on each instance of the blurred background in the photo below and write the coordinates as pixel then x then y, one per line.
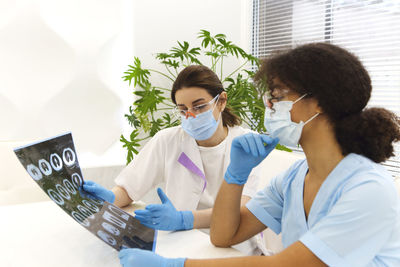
pixel 61 63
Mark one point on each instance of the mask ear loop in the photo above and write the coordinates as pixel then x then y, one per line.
pixel 313 117
pixel 300 98
pixel 215 104
pixel 310 119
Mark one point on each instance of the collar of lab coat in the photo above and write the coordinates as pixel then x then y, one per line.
pixel 191 149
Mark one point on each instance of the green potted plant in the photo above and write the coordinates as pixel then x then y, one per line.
pixel 152 109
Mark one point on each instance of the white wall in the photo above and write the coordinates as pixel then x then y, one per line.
pixel 160 23
pixel 61 62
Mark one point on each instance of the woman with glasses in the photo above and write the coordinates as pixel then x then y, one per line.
pixel 337 207
pixel 190 159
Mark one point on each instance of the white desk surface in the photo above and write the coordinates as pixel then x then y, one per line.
pixel 42 234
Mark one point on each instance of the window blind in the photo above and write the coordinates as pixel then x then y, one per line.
pixel 370 29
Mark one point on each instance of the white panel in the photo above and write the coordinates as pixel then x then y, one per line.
pixel 35 61
pixel 53 52
pixel 61 64
pixel 84 24
pixel 87 106
pixel 160 23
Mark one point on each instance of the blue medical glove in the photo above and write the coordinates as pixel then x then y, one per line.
pixel 247 151
pixel 132 257
pixel 164 216
pixel 99 191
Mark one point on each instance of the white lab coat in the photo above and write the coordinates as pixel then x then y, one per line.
pixel 158 162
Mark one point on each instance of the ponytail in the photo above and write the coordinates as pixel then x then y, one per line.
pixel 370 133
pixel 229 118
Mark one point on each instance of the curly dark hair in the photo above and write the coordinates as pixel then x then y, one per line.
pixel 203 77
pixel 342 87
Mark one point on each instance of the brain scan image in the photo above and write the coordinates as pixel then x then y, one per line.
pixel 68 185
pixel 112 218
pixel 107 238
pixel 34 172
pixel 63 192
pixel 53 164
pixel 56 162
pixel 122 214
pixel 45 167
pixel 92 206
pixel 69 156
pixel 80 218
pixel 110 228
pixel 77 180
pixel 85 211
pixel 55 197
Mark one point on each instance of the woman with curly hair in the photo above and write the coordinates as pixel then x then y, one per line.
pixel 337 207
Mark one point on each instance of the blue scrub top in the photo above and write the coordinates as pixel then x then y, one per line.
pixel 353 221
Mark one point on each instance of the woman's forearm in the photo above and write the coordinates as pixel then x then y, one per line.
pixel 296 254
pixel 226 214
pixel 231 262
pixel 202 218
pixel 121 197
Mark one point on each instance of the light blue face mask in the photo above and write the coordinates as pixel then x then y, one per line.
pixel 279 123
pixel 202 127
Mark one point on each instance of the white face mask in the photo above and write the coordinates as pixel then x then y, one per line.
pixel 202 126
pixel 279 124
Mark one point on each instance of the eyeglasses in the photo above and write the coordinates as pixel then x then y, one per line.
pixel 276 95
pixel 194 111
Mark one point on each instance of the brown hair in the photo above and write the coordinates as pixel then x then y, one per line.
pixel 342 87
pixel 203 77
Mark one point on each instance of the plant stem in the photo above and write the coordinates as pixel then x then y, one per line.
pixel 142 139
pixel 212 59
pixel 168 105
pixel 240 67
pixel 162 88
pixel 222 64
pixel 252 123
pixel 163 74
pixel 215 63
pixel 170 72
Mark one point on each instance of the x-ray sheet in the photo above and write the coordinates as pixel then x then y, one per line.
pixel 53 164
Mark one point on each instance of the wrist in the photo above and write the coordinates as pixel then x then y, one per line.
pixel 111 197
pixel 187 220
pixel 177 262
pixel 230 178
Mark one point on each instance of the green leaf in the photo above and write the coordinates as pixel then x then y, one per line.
pixel 245 101
pixel 184 53
pixel 132 118
pixel 131 145
pixel 170 122
pixel 220 36
pixel 137 73
pixel 213 54
pixel 207 39
pixel 148 99
pixel 172 63
pixel 283 148
pixel 162 56
pixel 156 125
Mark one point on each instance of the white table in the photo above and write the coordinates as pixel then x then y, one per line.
pixel 42 234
